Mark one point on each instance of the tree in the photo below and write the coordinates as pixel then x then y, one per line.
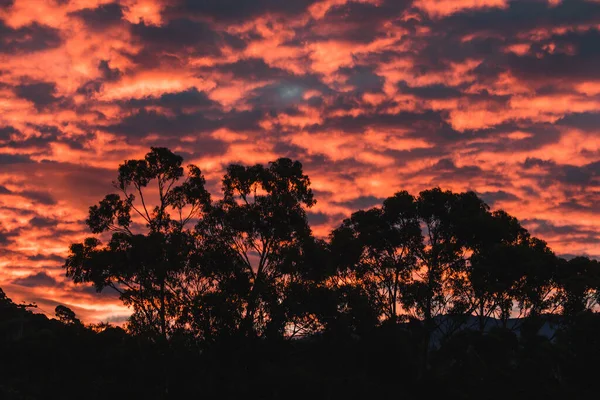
pixel 260 235
pixel 494 270
pixel 450 223
pixel 578 281
pixel 534 292
pixel 377 250
pixel 147 257
pixel 66 315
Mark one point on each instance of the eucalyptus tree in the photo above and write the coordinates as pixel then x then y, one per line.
pixel 450 224
pixel 147 226
pixel 535 291
pixel 260 233
pixel 67 316
pixel 376 252
pixel 577 285
pixel 494 270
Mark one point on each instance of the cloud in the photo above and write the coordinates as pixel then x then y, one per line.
pixel 363 202
pixel 571 56
pixel 144 122
pixel 41 94
pixel 250 69
pixel 184 36
pixel 588 121
pixel 584 175
pixel 38 197
pixel 6 3
pixel 493 198
pixel 102 17
pixel 26 39
pixel 41 222
pixel 40 279
pixel 9 159
pixel 190 98
pixel 107 74
pixel 6 132
pixel 237 10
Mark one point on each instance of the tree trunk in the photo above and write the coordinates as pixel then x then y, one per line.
pixel 163 317
pixel 481 316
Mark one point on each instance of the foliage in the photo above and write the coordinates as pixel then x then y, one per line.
pixel 458 297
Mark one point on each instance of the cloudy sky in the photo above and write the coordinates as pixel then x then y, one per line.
pixel 373 96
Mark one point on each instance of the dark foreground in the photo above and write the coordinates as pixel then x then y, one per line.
pixel 43 358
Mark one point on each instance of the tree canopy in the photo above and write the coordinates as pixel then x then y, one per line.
pixel 248 265
pixel 235 287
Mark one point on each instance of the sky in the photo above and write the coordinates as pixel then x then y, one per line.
pixel 372 96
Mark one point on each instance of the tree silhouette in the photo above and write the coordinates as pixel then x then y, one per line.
pixel 493 271
pixel 147 255
pixel 453 293
pixel 376 250
pixel 66 315
pixel 261 227
pixel 578 281
pixel 450 224
pixel 538 266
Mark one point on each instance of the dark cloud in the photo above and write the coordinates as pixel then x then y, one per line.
pixel 108 74
pixel 495 139
pixel 6 237
pixel 237 10
pixel 590 203
pixel 242 120
pixel 363 202
pixel 45 136
pixel 492 198
pixel 9 159
pixel 101 17
pixel 50 257
pixel 251 69
pixel 574 56
pixel 6 132
pixel 569 232
pixel 190 98
pixel 362 78
pixel 317 218
pixel 564 173
pixel 520 16
pixel 423 124
pixel 38 197
pixel 285 93
pixel 435 91
pixel 41 279
pixel 484 34
pixel 41 94
pixel 447 168
pixel 90 290
pixel 358 22
pixel 146 122
pixel 182 37
pixel 586 121
pixel 27 39
pixel 90 87
pixel 116 319
pixel 41 222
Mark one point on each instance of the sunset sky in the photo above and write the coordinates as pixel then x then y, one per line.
pixel 372 96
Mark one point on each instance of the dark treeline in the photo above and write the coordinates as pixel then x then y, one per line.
pixel 426 295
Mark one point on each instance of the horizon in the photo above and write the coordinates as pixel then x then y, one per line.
pixel 372 96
